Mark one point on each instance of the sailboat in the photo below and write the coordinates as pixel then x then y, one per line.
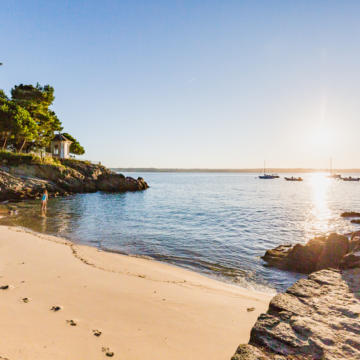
pixel 268 176
pixel 333 176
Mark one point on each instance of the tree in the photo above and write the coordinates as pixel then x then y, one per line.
pixel 7 123
pixel 75 147
pixel 3 95
pixel 16 124
pixel 37 100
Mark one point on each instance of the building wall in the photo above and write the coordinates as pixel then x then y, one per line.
pixel 63 149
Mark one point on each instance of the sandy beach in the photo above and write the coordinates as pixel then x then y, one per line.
pixel 142 308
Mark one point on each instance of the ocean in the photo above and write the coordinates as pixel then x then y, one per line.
pixel 218 224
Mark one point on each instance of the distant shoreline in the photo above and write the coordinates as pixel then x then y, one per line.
pixel 195 170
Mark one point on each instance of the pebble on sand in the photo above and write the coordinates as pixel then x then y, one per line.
pixel 107 352
pixel 97 332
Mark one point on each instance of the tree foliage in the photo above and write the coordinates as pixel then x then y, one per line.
pixel 28 122
pixel 75 147
pixel 37 100
pixel 16 125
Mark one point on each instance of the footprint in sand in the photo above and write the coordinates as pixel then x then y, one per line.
pixel 71 322
pixel 4 287
pixel 107 352
pixel 97 333
pixel 55 308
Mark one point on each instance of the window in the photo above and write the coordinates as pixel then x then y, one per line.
pixel 56 149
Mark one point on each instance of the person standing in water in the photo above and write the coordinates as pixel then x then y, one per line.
pixel 44 200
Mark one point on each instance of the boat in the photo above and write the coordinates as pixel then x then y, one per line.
pixel 350 178
pixel 331 175
pixel 293 178
pixel 268 176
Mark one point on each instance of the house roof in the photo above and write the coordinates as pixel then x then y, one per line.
pixel 61 137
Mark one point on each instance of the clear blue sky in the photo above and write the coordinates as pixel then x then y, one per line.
pixel 211 84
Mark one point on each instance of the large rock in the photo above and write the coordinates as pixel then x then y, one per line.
pixel 27 181
pixel 333 250
pixel 316 318
pixel 316 254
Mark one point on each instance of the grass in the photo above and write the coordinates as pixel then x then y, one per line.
pixel 8 158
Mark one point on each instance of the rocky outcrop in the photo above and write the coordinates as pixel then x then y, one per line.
pixel 316 318
pixel 319 253
pixel 27 181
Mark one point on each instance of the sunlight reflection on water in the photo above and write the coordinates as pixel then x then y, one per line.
pixel 319 218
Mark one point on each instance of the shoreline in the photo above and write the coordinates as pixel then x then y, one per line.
pixel 215 275
pixel 141 306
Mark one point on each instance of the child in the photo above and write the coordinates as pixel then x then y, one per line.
pixel 44 200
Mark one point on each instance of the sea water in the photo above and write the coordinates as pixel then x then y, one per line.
pixel 219 224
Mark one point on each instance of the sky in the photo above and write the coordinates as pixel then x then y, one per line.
pixel 194 84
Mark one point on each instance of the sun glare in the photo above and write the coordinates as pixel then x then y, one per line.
pixel 320 212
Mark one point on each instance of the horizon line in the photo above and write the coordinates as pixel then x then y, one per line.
pixel 239 170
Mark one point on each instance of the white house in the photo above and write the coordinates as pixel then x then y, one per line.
pixel 60 146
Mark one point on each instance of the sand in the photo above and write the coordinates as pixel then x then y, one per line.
pixel 144 309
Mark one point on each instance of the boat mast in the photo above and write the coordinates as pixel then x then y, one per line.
pixel 331 169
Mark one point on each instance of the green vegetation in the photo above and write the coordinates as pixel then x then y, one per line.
pixel 75 147
pixel 13 159
pixel 27 122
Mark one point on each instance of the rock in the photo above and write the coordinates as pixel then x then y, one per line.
pixel 350 214
pixel 316 318
pixel 249 352
pixel 304 258
pixel 355 221
pixel 350 261
pixel 333 250
pixel 354 244
pixel 97 333
pixel 277 257
pixel 27 181
pixel 107 352
pixel 318 253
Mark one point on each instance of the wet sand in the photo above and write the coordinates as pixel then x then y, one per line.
pixel 67 301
